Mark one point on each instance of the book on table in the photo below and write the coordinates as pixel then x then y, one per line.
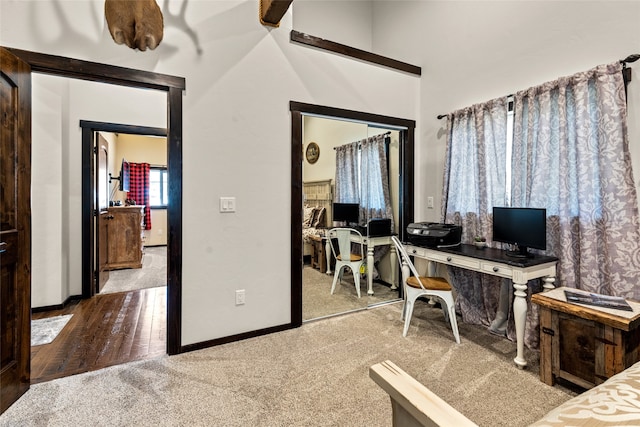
pixel 598 300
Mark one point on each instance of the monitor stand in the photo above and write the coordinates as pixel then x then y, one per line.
pixel 358 227
pixel 519 252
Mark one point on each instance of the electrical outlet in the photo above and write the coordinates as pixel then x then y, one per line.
pixel 240 297
pixel 430 202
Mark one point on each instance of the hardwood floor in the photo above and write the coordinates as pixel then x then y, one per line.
pixel 105 330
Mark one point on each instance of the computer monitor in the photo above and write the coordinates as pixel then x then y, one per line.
pixel 125 176
pixel 524 227
pixel 346 212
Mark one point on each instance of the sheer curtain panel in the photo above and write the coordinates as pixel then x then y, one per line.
pixel 474 182
pixel 347 174
pixel 374 178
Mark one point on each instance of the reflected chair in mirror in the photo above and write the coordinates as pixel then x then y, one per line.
pixel 416 286
pixel 340 240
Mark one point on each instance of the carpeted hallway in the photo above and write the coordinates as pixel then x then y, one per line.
pixel 315 375
pixel 152 274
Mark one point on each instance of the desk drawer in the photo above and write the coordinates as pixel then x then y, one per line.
pixel 444 258
pixel 496 269
pixel 417 251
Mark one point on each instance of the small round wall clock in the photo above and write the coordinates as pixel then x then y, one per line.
pixel 313 152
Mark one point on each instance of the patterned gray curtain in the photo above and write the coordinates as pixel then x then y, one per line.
pixel 374 178
pixel 347 174
pixel 571 155
pixel 474 182
pixel 362 177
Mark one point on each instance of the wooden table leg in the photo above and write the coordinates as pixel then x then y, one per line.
pixel 322 256
pixel 546 338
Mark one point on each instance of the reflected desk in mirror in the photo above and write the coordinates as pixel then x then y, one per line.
pixel 371 243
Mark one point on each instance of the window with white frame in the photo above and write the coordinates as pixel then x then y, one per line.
pixel 158 188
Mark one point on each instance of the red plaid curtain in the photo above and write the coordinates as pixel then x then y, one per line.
pixel 139 189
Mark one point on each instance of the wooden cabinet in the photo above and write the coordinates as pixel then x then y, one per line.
pixel 125 237
pixel 582 344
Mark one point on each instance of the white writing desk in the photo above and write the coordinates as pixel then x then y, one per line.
pixel 497 263
pixel 370 243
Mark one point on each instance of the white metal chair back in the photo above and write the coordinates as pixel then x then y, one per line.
pixel 435 287
pixel 344 256
pixel 400 249
pixel 344 241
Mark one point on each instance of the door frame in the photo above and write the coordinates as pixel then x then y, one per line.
pixel 405 204
pixel 174 86
pixel 15 252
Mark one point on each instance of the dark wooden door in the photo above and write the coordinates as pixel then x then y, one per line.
pixel 101 205
pixel 15 228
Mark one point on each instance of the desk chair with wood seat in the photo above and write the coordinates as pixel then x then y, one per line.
pixel 416 286
pixel 343 237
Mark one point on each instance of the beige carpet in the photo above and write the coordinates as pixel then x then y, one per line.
pixel 315 375
pixel 152 274
pixel 318 302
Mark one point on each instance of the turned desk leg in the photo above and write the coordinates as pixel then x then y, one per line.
pixel 370 269
pixel 394 264
pixel 406 273
pixel 548 283
pixel 327 252
pixel 520 317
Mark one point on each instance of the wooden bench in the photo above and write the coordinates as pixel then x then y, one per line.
pixel 412 403
pixel 612 403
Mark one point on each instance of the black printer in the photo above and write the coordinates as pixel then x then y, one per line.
pixel 433 234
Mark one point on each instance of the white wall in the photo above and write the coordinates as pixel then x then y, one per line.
pixel 474 51
pixel 47 272
pixel 236 128
pixel 328 134
pixel 345 22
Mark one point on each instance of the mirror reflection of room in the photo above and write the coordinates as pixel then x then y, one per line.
pixel 136 237
pixel 350 177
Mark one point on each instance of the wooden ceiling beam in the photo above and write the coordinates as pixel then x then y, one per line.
pixel 272 11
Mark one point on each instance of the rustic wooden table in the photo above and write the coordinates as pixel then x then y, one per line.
pixel 318 258
pixel 585 344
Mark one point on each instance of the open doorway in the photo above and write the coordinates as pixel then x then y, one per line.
pixel 130 238
pixel 173 87
pixel 107 327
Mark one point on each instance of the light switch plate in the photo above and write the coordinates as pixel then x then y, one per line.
pixel 430 202
pixel 227 204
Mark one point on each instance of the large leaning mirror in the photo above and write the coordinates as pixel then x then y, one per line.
pixel 369 155
pixel 320 132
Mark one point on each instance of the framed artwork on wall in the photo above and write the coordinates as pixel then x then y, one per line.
pixel 312 152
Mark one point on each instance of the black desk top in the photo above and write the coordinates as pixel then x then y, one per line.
pixel 495 255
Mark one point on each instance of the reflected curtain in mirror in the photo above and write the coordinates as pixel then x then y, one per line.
pixel 362 177
pixel 346 180
pixel 375 200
